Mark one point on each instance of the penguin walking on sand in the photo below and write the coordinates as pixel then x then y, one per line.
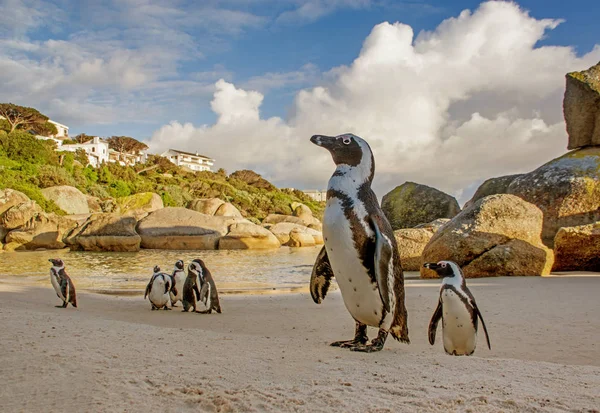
pixel 178 277
pixel 208 290
pixel 64 287
pixel 158 289
pixel 360 248
pixel 457 310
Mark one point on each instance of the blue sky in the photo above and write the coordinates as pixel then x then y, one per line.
pixel 130 67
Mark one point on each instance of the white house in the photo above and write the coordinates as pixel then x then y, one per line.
pixel 127 158
pixel 63 131
pixel 193 161
pixel 316 194
pixel 96 149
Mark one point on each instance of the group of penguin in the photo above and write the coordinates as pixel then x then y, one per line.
pixel 197 286
pixel 360 251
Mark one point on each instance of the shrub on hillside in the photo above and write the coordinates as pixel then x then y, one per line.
pixel 21 146
pixel 51 175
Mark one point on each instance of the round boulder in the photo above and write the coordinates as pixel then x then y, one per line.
pixel 577 248
pixel 411 243
pixel 497 235
pixel 106 232
pixel 10 197
pixel 68 198
pixel 566 189
pixel 228 210
pixel 492 186
pixel 247 235
pixel 411 204
pixel 205 206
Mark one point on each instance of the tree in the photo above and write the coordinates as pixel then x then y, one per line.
pixel 125 144
pixel 45 129
pixel 83 138
pixel 25 117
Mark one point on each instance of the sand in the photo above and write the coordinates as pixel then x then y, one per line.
pixel 270 353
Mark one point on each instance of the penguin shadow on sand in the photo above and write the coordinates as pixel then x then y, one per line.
pixel 64 287
pixel 197 287
pixel 458 311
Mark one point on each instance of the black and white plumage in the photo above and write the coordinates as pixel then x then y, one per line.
pixel 208 290
pixel 158 289
pixel 178 277
pixel 360 248
pixel 457 310
pixel 64 287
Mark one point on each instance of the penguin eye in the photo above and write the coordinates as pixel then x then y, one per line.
pixel 443 265
pixel 346 140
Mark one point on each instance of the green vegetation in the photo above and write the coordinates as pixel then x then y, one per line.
pixel 28 165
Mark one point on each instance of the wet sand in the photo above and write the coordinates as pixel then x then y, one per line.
pixel 271 353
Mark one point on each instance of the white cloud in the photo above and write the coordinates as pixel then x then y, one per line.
pixel 473 99
pixel 310 10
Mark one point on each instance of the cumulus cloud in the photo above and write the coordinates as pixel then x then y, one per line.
pixel 474 98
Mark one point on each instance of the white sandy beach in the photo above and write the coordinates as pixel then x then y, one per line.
pixel 271 353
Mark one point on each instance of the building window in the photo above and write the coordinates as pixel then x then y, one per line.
pixel 94 149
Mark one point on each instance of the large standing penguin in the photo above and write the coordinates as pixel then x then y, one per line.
pixel 458 311
pixel 64 287
pixel 178 276
pixel 208 290
pixel 158 289
pixel 360 248
pixel 190 291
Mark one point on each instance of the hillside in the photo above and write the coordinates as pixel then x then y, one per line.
pixel 29 165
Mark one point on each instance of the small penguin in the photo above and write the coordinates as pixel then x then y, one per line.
pixel 360 248
pixel 64 287
pixel 190 291
pixel 158 289
pixel 458 311
pixel 178 277
pixel 208 289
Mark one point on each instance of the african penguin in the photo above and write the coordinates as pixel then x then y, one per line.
pixel 360 248
pixel 190 292
pixel 158 289
pixel 64 287
pixel 208 290
pixel 458 311
pixel 178 277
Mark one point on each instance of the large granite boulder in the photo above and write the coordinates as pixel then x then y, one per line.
pixel 139 204
pixel 10 197
pixel 411 204
pixel 411 243
pixel 228 210
pixel 43 231
pixel 497 235
pixel 566 189
pixel 277 218
pixel 581 107
pixel 205 206
pixel 434 225
pixel 68 198
pixel 183 229
pixel 283 232
pixel 305 214
pixel 300 238
pixel 18 215
pixel 492 186
pixel 246 235
pixel 577 248
pixel 106 232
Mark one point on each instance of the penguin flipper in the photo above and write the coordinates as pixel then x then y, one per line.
pixel 383 258
pixel 321 276
pixel 203 294
pixel 65 289
pixel 149 287
pixel 437 315
pixel 487 337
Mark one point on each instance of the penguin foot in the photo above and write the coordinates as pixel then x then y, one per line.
pixel 59 306
pixel 376 343
pixel 166 308
pixel 204 312
pixel 350 343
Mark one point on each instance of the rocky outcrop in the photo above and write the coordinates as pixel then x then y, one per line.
pixel 43 231
pixel 68 198
pixel 577 248
pixel 94 204
pixel 566 189
pixel 139 204
pixel 246 235
pixel 18 215
pixel 106 232
pixel 497 235
pixel 434 225
pixel 183 229
pixel 411 204
pixel 283 232
pixel 205 206
pixel 300 238
pixel 581 107
pixel 9 198
pixel 492 186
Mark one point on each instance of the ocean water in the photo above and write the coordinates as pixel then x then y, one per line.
pixel 237 271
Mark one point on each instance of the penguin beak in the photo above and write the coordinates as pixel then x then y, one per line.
pixel 323 141
pixel 52 261
pixel 431 265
